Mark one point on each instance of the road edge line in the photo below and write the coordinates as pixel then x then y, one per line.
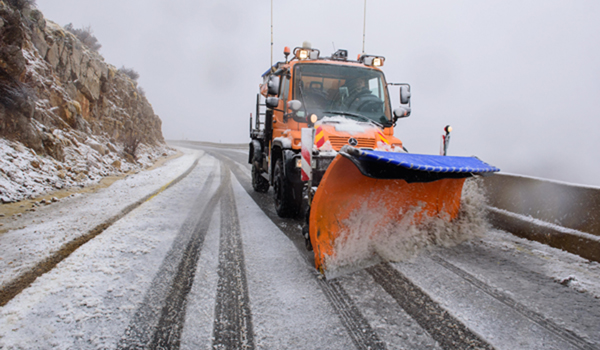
pixel 24 280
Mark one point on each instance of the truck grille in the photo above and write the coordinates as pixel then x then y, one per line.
pixel 337 142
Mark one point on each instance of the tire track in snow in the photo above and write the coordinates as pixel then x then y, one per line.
pixel 140 334
pixel 170 326
pixel 12 289
pixel 233 317
pixel 565 334
pixel 357 326
pixel 448 331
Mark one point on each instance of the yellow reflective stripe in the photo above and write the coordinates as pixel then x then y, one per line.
pixel 382 138
pixel 319 137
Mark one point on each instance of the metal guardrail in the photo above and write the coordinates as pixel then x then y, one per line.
pixel 561 215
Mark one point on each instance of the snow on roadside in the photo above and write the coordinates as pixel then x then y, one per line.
pixel 43 232
pixel 563 267
pixel 88 300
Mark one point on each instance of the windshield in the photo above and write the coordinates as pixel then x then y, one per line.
pixel 354 92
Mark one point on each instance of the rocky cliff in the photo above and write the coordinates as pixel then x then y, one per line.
pixel 78 116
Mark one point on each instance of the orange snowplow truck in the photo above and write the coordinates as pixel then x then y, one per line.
pixel 351 158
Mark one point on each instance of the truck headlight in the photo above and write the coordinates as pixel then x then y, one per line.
pixel 302 54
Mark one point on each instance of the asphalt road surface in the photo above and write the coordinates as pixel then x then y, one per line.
pixel 208 264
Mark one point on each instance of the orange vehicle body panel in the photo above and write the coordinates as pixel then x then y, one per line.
pixel 292 128
pixel 372 137
pixel 344 190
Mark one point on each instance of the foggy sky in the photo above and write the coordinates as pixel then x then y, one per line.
pixel 519 81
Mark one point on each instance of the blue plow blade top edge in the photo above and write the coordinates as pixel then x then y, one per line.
pixel 427 162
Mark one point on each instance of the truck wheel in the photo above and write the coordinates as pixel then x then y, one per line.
pixel 259 183
pixel 285 205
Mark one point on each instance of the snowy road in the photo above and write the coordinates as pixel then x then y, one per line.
pixel 206 263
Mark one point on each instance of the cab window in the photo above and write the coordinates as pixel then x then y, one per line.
pixel 349 91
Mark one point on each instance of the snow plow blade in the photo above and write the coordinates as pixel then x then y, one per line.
pixel 388 185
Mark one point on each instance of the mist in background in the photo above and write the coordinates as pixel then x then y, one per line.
pixel 518 81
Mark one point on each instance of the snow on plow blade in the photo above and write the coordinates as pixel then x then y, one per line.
pixel 383 187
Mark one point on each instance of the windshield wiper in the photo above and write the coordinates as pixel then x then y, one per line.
pixel 301 90
pixel 388 123
pixel 358 116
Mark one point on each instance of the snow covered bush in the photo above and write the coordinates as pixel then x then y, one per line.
pixel 85 36
pixel 130 73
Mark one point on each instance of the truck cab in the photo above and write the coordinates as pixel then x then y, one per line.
pixel 346 102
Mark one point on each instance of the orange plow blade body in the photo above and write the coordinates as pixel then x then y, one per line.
pixel 353 199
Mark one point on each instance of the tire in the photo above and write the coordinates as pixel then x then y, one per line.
pixel 285 204
pixel 259 183
pixel 306 231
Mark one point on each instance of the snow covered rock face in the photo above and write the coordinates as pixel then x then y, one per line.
pixel 61 103
pixel 25 174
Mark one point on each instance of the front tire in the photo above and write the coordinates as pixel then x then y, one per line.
pixel 285 204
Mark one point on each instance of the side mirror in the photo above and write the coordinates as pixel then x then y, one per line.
pixel 401 112
pixel 405 94
pixel 273 85
pixel 272 102
pixel 294 105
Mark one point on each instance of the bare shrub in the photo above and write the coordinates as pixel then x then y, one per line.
pixel 86 36
pixel 130 73
pixel 130 145
pixel 22 4
pixel 141 91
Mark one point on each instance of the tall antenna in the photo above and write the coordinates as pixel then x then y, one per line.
pixel 272 34
pixel 364 26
